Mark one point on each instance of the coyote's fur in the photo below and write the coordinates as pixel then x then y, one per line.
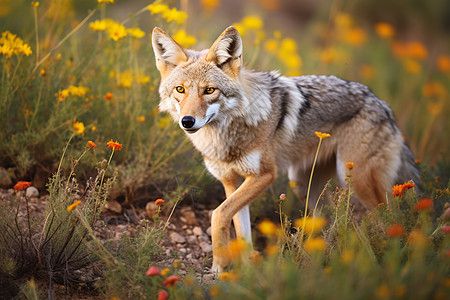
pixel 255 124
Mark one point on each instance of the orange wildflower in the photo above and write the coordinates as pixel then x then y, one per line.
pixel 424 204
pixel 384 30
pixel 397 190
pixel 171 280
pixel 159 201
pixel 21 185
pixel 108 96
pixel 395 231
pixel 115 145
pixel 91 144
pixel 443 63
pixel 74 205
pixel 350 165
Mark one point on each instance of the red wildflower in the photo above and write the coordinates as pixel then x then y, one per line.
pixel 91 144
pixel 446 228
pixel 163 295
pixel 115 145
pixel 21 185
pixel 171 280
pixel 153 271
pixel 159 201
pixel 395 231
pixel 424 203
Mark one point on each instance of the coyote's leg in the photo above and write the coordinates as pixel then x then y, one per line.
pixel 241 220
pixel 222 215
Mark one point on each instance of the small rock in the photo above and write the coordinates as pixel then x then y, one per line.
pixel 203 238
pixel 208 231
pixel 197 231
pixel 182 272
pixel 183 250
pixel 150 209
pixel 206 247
pixel 189 215
pixel 175 237
pixel 113 206
pixel 192 239
pixel 189 232
pixel 189 256
pixel 168 253
pixel 32 192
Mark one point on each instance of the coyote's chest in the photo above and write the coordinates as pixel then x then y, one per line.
pixel 227 151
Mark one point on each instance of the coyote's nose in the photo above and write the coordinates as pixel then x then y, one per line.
pixel 188 122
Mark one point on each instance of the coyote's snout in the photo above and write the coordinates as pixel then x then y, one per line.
pixel 255 124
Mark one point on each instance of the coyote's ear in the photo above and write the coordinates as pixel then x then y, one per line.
pixel 168 53
pixel 226 52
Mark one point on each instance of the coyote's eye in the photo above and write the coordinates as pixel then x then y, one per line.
pixel 180 89
pixel 209 90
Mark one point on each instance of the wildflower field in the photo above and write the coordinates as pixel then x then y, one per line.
pixel 79 121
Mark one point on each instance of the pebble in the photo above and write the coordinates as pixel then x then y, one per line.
pixel 197 231
pixel 208 231
pixel 192 239
pixel 32 192
pixel 206 247
pixel 175 237
pixel 189 215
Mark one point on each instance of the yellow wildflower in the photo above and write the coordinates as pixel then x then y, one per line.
pixel 98 25
pixel 117 31
pixel 384 30
pixel 11 44
pixel 252 22
pixel 315 245
pixel 62 95
pixel 311 224
pixel 322 135
pixel 78 127
pixel 136 32
pixel 271 46
pixel 268 228
pixel 292 184
pixel 412 66
pixel 126 78
pixel 140 119
pixel 105 1
pixel 79 91
pixel 240 28
pixel 174 15
pixel 236 247
pixel 35 3
pixel 165 271
pixel 228 276
pixel 157 8
pixel 184 39
pixel 74 205
pixel 344 20
pixel 163 122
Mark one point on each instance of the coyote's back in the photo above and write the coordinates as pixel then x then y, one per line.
pixel 254 124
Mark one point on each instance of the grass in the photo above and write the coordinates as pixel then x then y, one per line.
pixel 67 79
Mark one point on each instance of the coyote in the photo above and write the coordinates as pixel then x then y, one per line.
pixel 252 125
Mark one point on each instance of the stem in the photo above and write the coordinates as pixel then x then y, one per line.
pixel 103 176
pixel 64 39
pixel 73 168
pixel 64 152
pixel 310 180
pixel 37 33
pixel 348 204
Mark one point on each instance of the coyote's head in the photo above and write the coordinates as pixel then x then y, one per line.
pixel 198 85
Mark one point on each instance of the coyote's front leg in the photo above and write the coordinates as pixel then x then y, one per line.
pixel 222 215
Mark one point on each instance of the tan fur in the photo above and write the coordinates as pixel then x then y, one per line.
pixel 255 124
